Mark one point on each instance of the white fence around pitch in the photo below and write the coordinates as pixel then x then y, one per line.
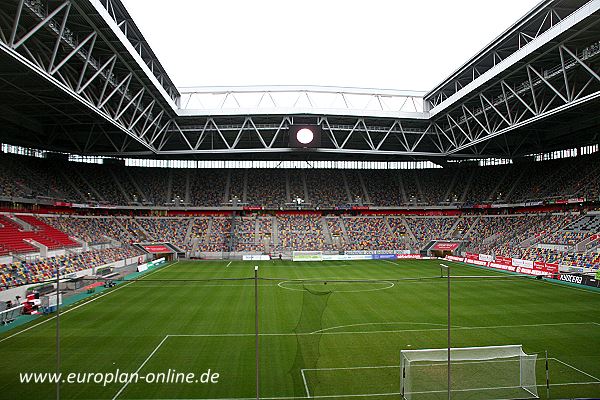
pixel 10 314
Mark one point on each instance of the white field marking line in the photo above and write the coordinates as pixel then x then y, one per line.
pixel 81 305
pixel 350 368
pixel 453 327
pixel 381 323
pixel 334 278
pixel 305 384
pixel 228 264
pixel 141 366
pixel 576 369
pixel 332 396
pixel 192 283
pixel 376 332
pixel 597 381
pixel 471 389
pixel 390 285
pixel 444 391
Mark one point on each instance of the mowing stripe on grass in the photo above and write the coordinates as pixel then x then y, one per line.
pixel 81 305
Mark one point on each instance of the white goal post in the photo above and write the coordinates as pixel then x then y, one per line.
pixel 489 372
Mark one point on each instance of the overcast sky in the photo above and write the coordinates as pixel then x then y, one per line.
pixel 395 44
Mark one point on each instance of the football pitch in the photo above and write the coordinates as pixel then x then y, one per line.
pixel 330 330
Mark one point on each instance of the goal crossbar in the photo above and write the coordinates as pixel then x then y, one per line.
pixel 464 353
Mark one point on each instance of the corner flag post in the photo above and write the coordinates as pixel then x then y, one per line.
pixel 256 328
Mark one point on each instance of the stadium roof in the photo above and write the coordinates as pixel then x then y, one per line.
pixel 78 76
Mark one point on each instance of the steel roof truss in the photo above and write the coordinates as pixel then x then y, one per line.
pixel 387 133
pixel 548 83
pixel 125 80
pixel 88 58
pixel 183 135
pixel 283 121
pixel 108 62
pixel 158 130
pixel 330 133
pixel 37 27
pixel 486 130
pixel 367 135
pixel 262 141
pixel 518 98
pixel 142 115
pixel 202 135
pixel 59 37
pixel 133 99
pixel 350 134
pixel 580 62
pixel 421 136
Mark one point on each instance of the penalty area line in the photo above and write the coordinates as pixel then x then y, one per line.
pixel 576 369
pixel 305 383
pixel 141 366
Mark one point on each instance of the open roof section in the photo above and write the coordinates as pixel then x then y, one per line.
pixel 72 81
pixel 291 99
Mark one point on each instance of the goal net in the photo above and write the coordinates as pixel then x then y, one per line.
pixel 478 373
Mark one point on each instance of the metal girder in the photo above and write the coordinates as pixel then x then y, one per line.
pixel 277 100
pixel 60 42
pixel 250 134
pixel 118 13
pixel 534 91
pixel 550 17
pixel 77 58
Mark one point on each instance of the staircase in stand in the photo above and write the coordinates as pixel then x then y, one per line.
pixel 48 235
pixel 13 237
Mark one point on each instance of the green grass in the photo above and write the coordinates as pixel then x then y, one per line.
pixel 173 319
